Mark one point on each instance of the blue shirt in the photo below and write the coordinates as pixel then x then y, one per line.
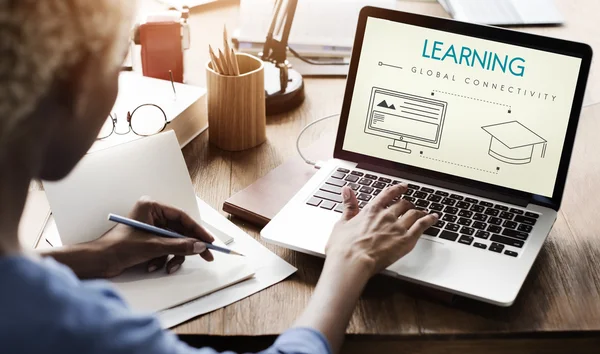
pixel 45 308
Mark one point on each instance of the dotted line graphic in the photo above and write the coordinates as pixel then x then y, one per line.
pixel 457 164
pixel 475 99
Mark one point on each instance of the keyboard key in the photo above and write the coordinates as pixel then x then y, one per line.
pixel 410 199
pixel 365 181
pixel 450 210
pixel 471 200
pixel 362 204
pixel 482 234
pixel 477 208
pixel 447 235
pixel 506 215
pixel 452 227
pixel 448 201
pixel 366 189
pixel 331 189
pixel 352 178
pixel 495 247
pixel 525 220
pixel 364 197
pixel 396 182
pixel 314 201
pixel 492 212
pixel 510 224
pixel 494 229
pixel 464 222
pixel 432 231
pixel 440 224
pixel 327 205
pixel 409 192
pixel 457 197
pixel 507 241
pixel 434 198
pixel 339 208
pixel 336 182
pixel 338 175
pixel 420 195
pixel 329 196
pixel 436 207
pixel 501 207
pixel 463 205
pixel 465 240
pixel 532 215
pixel 495 221
pixel 370 176
pixel 376 192
pixel 479 225
pixel 465 213
pixel 354 186
pixel 480 245
pixel 516 234
pixel 422 203
pixel 413 186
pixel 516 211
pixel 511 253
pixel 442 193
pixel 480 217
pixel 467 231
pixel 449 218
pixel 379 185
pixel 385 180
pixel 486 204
pixel 524 228
pixel 343 170
pixel 427 190
pixel 357 173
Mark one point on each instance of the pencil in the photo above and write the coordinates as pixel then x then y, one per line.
pixel 236 67
pixel 224 63
pixel 218 68
pixel 164 233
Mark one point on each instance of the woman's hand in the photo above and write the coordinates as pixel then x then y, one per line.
pixel 361 244
pixel 124 247
pixel 383 232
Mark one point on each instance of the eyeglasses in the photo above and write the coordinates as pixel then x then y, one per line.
pixel 147 119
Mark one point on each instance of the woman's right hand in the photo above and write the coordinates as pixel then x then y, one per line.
pixel 383 232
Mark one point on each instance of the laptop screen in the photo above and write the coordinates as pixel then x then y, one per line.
pixel 469 107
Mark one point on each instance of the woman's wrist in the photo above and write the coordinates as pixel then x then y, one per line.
pixel 85 260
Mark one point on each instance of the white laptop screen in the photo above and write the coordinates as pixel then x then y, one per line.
pixel 469 107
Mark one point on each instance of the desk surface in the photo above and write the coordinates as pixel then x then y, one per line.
pixel 561 293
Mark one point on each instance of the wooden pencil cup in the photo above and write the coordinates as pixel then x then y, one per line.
pixel 236 105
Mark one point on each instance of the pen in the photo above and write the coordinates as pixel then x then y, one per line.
pixel 164 233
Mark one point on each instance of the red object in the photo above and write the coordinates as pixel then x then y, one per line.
pixel 162 50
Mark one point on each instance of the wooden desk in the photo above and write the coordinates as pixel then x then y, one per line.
pixel 560 298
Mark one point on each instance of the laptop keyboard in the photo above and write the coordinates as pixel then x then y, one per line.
pixel 466 220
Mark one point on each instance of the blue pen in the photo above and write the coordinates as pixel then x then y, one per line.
pixel 164 233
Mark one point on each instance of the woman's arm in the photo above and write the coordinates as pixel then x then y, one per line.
pixel 360 246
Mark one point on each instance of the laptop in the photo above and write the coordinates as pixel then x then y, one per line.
pixel 478 121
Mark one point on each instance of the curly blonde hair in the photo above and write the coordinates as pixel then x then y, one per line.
pixel 41 40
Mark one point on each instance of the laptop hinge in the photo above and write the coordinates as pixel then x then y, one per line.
pixel 518 200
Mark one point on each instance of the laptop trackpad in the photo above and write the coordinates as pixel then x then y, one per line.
pixel 429 259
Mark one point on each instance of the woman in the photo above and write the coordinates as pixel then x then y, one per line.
pixel 59 66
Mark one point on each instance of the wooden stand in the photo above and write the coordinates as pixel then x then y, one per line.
pixel 236 105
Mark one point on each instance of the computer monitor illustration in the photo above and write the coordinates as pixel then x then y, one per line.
pixel 406 119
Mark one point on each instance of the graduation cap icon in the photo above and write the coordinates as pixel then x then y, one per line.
pixel 513 143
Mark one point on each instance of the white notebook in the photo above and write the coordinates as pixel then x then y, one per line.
pixel 111 181
pixel 504 12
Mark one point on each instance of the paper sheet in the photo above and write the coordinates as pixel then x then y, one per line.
pixel 113 180
pixel 269 270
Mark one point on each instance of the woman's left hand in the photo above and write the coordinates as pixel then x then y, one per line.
pixel 123 247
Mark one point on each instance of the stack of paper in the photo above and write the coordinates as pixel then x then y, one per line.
pixel 504 12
